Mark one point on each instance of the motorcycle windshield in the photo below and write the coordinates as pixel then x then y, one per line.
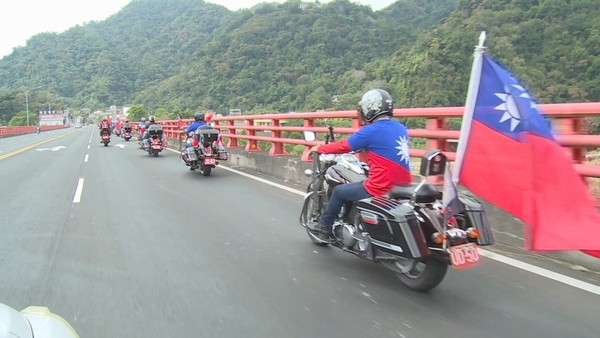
pixel 351 162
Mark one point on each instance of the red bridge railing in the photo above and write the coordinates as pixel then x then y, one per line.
pixel 19 130
pixel 567 119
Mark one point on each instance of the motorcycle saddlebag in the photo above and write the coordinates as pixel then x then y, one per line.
pixel 393 227
pixel 476 217
pixel 190 154
pixel 207 136
pixel 223 155
pixel 155 130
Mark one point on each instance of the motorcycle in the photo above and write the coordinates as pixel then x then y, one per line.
pixel 33 321
pixel 155 142
pixel 127 134
pixel 141 132
pixel 405 231
pixel 105 137
pixel 203 150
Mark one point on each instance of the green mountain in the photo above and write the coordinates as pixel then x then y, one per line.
pixel 109 62
pixel 299 56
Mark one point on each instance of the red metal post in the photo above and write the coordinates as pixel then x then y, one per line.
pixel 437 124
pixel 252 145
pixel 233 142
pixel 308 123
pixel 277 148
pixel 571 126
pixel 441 144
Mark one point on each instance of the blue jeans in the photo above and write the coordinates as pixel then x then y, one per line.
pixel 341 195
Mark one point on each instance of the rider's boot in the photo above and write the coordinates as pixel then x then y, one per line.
pixel 321 228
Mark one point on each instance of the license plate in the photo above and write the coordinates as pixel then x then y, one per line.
pixel 210 161
pixel 156 146
pixel 464 256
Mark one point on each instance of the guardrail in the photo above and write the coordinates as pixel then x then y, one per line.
pixel 566 119
pixel 20 130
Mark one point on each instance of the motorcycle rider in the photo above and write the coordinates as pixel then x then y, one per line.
pixel 127 126
pixel 142 126
pixel 200 119
pixel 104 127
pixel 151 122
pixel 386 144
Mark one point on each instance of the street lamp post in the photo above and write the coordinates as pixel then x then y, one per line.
pixel 50 102
pixel 27 102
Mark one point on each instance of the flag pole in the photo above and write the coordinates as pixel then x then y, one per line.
pixel 465 128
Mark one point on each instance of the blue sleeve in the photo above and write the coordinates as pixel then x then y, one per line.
pixel 362 138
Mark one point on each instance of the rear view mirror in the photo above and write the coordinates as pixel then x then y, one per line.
pixel 309 136
pixel 433 163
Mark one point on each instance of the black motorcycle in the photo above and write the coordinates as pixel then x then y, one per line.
pixel 207 151
pixel 154 142
pixel 406 230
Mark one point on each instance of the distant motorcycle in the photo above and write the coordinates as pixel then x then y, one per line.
pixel 127 134
pixel 141 132
pixel 203 150
pixel 105 137
pixel 154 142
pixel 405 231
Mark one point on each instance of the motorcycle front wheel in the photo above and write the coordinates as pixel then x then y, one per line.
pixel 310 214
pixel 419 275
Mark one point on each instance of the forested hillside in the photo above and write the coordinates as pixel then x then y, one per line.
pixel 109 62
pixel 293 58
pixel 303 56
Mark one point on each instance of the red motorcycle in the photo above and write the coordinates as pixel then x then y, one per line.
pixel 204 150
pixel 127 134
pixel 155 141
pixel 105 137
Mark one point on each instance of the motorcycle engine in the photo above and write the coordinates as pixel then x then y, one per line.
pixel 344 233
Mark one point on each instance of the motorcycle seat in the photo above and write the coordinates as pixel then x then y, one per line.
pixel 427 194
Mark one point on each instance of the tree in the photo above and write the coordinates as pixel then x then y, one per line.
pixel 137 111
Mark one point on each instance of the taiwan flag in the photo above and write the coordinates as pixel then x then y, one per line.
pixel 451 205
pixel 179 123
pixel 508 155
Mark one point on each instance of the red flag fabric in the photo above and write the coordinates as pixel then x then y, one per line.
pixel 209 116
pixel 179 122
pixel 508 156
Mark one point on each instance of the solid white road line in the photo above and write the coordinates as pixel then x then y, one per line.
pixel 542 272
pixel 78 191
pixel 503 259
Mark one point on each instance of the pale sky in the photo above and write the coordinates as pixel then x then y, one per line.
pixel 22 19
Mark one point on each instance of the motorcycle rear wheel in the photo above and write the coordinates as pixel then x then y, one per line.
pixel 205 170
pixel 419 275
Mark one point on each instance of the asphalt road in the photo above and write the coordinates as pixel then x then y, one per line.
pixel 151 249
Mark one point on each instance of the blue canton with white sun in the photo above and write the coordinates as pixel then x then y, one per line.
pixel 504 104
pixel 403 149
